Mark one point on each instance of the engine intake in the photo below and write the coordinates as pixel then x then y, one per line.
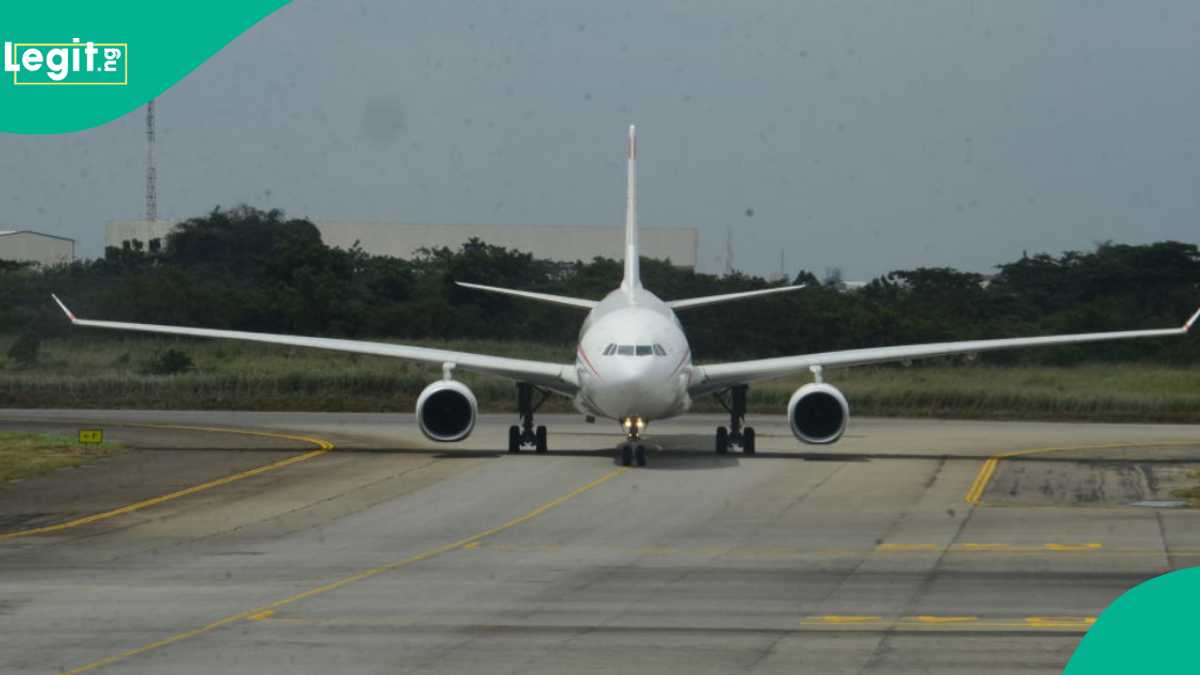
pixel 446 411
pixel 818 413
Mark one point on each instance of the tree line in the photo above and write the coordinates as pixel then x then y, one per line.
pixel 248 269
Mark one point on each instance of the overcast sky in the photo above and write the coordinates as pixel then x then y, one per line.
pixel 863 135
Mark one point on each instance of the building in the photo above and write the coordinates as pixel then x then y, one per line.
pixel 563 243
pixel 29 246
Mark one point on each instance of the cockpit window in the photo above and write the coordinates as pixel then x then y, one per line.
pixel 635 350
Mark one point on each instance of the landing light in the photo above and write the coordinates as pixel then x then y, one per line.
pixel 631 424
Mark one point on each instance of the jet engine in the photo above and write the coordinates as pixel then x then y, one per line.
pixel 818 413
pixel 446 411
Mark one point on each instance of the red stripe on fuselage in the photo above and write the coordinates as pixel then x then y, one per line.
pixel 588 361
pixel 682 361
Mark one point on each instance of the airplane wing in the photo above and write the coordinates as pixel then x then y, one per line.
pixel 716 377
pixel 556 377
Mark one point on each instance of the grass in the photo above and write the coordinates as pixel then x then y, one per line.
pixel 1192 494
pixel 91 370
pixel 25 455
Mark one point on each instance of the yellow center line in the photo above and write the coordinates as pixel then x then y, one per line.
pixel 853 622
pixel 266 611
pixel 323 447
pixel 927 619
pixel 984 477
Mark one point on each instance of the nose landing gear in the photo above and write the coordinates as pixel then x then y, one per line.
pixel 633 452
pixel 736 434
pixel 526 434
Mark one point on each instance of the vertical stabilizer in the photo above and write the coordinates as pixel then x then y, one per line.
pixel 632 275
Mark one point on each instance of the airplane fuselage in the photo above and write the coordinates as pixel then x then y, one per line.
pixel 633 360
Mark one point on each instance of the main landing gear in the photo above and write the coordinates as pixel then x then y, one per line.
pixel 632 451
pixel 526 434
pixel 736 434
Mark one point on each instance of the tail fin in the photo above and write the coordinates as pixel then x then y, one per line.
pixel 632 272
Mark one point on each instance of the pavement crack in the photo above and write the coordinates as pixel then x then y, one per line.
pixel 1162 535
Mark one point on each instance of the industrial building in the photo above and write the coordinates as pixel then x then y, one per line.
pixel 563 243
pixel 29 246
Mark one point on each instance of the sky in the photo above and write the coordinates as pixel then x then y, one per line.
pixel 847 134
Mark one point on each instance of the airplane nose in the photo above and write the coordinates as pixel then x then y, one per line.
pixel 623 386
pixel 628 371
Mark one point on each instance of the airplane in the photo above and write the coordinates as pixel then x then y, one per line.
pixel 633 364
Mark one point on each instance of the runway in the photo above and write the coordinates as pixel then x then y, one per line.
pixel 895 551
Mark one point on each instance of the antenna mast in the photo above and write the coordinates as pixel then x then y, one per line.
pixel 728 250
pixel 151 171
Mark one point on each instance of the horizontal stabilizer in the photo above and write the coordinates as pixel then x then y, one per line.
pixel 714 299
pixel 540 297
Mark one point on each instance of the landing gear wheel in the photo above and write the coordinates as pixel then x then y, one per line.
pixel 736 434
pixel 526 434
pixel 626 455
pixel 639 454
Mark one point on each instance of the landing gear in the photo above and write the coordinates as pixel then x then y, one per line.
pixel 632 451
pixel 526 434
pixel 736 434
pixel 633 454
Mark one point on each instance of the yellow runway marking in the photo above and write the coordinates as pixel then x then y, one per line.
pixel 323 447
pixel 267 610
pixel 1092 546
pixel 800 553
pixel 843 622
pixel 841 618
pixel 1072 622
pixel 924 618
pixel 984 477
pixel 935 622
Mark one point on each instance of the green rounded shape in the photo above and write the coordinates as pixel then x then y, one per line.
pixel 152 46
pixel 1149 629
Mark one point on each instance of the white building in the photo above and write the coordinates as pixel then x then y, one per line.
pixel 29 246
pixel 563 243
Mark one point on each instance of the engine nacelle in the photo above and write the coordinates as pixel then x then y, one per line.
pixel 818 413
pixel 446 411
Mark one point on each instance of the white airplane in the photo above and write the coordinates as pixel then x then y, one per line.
pixel 633 365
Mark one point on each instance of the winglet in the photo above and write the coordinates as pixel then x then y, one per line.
pixel 1188 326
pixel 64 308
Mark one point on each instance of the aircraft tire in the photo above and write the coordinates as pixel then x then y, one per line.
pixel 722 440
